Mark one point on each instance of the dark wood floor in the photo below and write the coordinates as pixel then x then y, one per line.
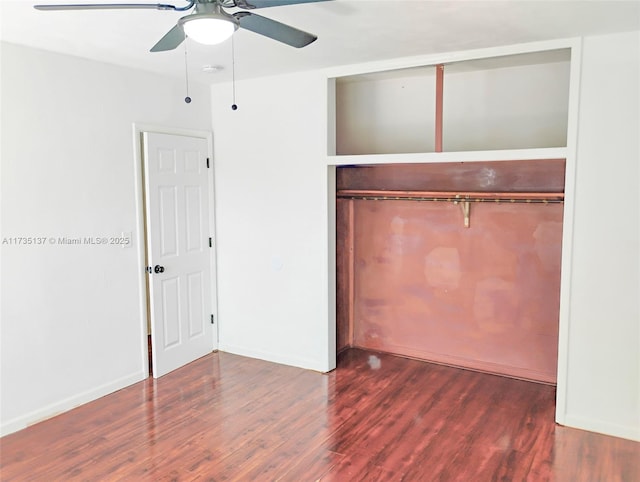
pixel 375 418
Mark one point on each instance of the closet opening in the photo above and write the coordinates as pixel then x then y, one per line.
pixel 455 263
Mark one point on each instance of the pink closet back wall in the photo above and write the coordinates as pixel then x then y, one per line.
pixel 412 280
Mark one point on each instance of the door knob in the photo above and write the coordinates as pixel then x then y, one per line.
pixel 158 269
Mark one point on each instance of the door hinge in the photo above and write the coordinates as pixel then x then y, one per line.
pixel 210 243
pixel 207 163
pixel 212 322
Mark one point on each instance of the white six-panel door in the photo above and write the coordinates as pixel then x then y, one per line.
pixel 178 184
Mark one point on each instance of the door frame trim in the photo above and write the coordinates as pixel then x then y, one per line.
pixel 139 241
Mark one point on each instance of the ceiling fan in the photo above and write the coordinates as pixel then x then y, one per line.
pixel 209 23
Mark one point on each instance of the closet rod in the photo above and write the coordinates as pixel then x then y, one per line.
pixel 449 196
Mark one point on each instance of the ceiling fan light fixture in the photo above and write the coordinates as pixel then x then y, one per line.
pixel 208 29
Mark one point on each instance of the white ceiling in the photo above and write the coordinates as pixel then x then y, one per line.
pixel 349 31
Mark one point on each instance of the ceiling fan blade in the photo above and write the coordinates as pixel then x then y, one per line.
pixel 170 41
pixel 249 4
pixel 106 6
pixel 274 30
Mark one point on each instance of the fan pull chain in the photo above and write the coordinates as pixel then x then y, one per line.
pixel 187 99
pixel 234 106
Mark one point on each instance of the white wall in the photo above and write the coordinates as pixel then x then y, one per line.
pixel 387 115
pixel 271 183
pixel 603 376
pixel 519 107
pixel 70 326
pixel 271 190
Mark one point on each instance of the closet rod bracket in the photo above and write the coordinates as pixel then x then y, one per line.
pixel 465 205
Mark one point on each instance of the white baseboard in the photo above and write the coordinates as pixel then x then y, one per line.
pixel 305 363
pixel 41 414
pixel 599 426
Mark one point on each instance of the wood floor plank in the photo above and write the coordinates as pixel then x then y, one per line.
pixel 376 417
